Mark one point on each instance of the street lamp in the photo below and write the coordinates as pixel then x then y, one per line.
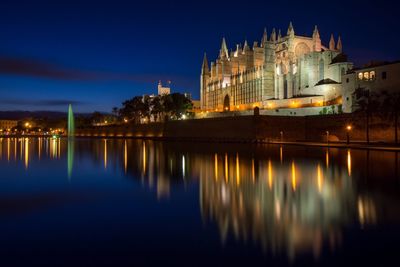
pixel 348 129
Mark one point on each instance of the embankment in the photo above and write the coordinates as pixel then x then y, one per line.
pixel 251 129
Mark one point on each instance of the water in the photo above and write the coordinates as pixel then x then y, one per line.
pixel 133 202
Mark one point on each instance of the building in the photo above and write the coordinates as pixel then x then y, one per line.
pixel 164 90
pixel 374 77
pixel 280 71
pixel 7 125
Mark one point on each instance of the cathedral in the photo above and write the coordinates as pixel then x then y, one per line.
pixel 279 72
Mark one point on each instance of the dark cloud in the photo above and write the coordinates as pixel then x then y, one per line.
pixel 40 69
pixel 43 102
pixel 35 68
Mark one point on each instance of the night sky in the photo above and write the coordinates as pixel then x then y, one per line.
pixel 95 54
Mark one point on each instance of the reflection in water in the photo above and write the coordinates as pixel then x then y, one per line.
pixel 105 153
pixel 349 162
pixel 286 206
pixel 26 144
pixel 70 157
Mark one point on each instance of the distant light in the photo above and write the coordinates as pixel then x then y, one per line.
pixel 183 116
pixel 348 127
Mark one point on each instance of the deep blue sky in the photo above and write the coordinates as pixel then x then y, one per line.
pixel 96 54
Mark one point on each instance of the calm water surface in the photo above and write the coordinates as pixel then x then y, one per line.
pixel 133 202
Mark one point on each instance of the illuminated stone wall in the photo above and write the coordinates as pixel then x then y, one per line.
pixel 251 128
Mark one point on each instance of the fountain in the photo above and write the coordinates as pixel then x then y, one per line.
pixel 71 134
pixel 71 122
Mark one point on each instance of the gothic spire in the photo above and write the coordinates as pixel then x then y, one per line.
pixel 224 49
pixel 339 46
pixel 279 35
pixel 290 30
pixel 316 32
pixel 273 35
pixel 332 43
pixel 264 39
pixel 204 67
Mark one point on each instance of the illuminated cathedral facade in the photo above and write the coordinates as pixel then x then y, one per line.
pixel 280 71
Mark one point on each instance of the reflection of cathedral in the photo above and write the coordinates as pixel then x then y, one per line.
pixel 282 206
pixel 280 71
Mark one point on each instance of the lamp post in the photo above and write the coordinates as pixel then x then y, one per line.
pixel 348 129
pixel 281 133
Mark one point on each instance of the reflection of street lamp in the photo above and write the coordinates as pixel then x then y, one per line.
pixel 348 129
pixel 327 137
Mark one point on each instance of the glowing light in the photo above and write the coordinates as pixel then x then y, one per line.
pixel 270 174
pixel 349 162
pixel 281 153
pixel 327 158
pixel 237 169
pixel 183 166
pixel 348 127
pixel 216 166
pixel 105 153
pixel 253 171
pixel 26 153
pixel 8 149
pixel 294 181
pixel 226 166
pixel 125 156
pixel 125 120
pixel 319 178
pixel 144 158
pixel 184 116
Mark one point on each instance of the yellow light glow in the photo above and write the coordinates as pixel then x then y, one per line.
pixel 349 162
pixel 237 169
pixel 281 154
pixel 105 153
pixel 26 153
pixel 269 174
pixel 253 171
pixel 319 179
pixel 294 182
pixel 327 158
pixel 144 158
pixel 348 127
pixel 226 166
pixel 216 166
pixel 8 149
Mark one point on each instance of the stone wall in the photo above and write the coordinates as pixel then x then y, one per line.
pixel 252 128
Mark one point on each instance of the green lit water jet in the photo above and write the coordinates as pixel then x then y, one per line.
pixel 71 122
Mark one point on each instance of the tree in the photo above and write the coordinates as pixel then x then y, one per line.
pixel 366 104
pixel 390 109
pixel 157 107
pixel 132 109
